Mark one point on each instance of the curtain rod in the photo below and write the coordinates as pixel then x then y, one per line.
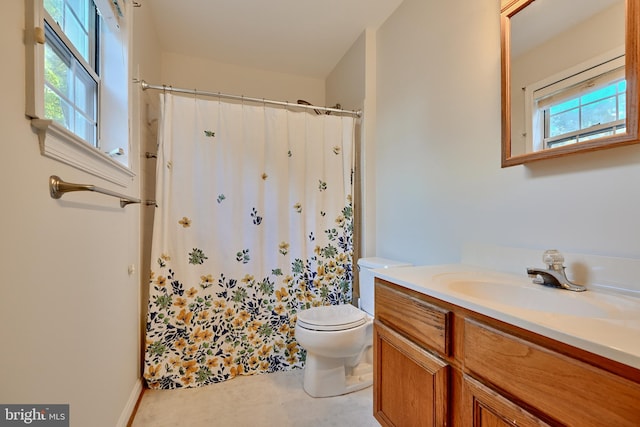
pixel 144 85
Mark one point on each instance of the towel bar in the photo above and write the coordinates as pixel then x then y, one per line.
pixel 57 187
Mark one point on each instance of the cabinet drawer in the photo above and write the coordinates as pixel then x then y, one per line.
pixel 424 323
pixel 550 382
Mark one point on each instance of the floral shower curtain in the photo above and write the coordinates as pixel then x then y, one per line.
pixel 254 223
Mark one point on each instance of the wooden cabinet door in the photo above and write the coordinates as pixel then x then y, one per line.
pixel 486 408
pixel 410 384
pixel 570 391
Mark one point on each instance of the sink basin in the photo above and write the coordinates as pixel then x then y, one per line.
pixel 520 293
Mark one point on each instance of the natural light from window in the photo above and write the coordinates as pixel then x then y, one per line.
pixel 597 113
pixel 71 80
pixel 579 104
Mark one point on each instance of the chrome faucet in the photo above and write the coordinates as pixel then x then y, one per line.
pixel 554 275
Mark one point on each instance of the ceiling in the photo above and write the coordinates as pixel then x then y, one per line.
pixel 300 37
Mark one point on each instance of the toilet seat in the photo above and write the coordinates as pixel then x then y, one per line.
pixel 331 318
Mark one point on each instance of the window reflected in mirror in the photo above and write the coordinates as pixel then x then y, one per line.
pixel 569 75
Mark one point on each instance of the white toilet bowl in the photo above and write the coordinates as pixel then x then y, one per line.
pixel 338 342
pixel 339 339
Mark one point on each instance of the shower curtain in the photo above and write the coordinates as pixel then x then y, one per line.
pixel 254 223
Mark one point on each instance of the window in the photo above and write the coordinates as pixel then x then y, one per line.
pixel 70 77
pixel 598 110
pixel 79 101
pixel 578 105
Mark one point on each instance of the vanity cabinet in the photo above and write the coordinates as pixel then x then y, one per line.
pixel 439 364
pixel 411 383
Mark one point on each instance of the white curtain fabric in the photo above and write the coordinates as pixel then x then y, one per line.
pixel 254 223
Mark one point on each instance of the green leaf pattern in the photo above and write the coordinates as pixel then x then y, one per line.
pixel 219 307
pixel 211 331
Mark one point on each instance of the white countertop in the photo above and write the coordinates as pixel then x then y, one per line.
pixel 602 323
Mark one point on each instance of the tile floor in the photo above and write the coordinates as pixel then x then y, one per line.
pixel 268 400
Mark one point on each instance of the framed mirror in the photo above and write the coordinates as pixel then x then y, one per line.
pixel 569 77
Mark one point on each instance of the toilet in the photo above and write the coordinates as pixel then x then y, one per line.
pixel 339 339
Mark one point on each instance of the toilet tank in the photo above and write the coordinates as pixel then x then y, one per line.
pixel 366 277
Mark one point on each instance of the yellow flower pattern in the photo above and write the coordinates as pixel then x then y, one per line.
pixel 216 327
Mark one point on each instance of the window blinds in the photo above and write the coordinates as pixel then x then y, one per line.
pixel 112 11
pixel 579 84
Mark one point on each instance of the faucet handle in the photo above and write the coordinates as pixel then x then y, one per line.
pixel 553 259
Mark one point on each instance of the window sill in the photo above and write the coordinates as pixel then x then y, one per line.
pixel 59 144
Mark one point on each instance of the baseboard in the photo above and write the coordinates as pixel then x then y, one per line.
pixel 132 402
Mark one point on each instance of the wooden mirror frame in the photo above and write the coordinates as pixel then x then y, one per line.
pixel 632 66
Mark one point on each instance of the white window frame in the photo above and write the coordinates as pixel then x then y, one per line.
pixel 57 142
pixel 534 120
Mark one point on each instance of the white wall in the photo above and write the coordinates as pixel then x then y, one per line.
pixel 203 74
pixel 345 85
pixel 438 178
pixel 352 84
pixel 68 306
